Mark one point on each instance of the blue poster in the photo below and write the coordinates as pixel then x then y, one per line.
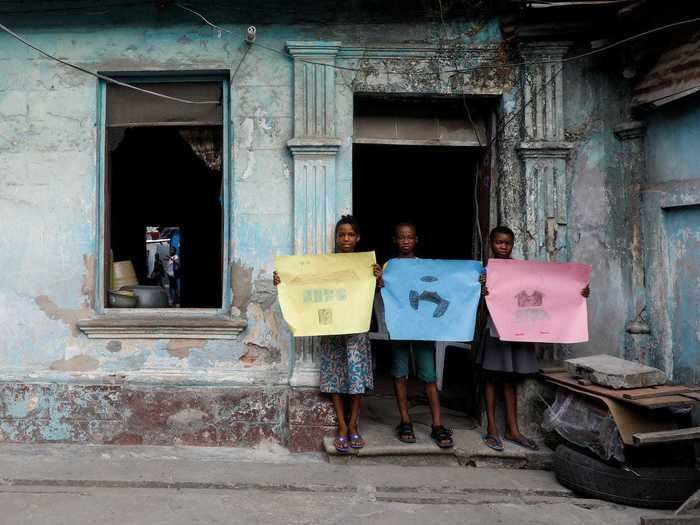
pixel 431 300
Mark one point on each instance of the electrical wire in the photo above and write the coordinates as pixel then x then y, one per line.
pixel 219 29
pixel 504 65
pixel 100 76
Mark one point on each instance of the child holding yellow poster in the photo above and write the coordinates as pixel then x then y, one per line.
pixel 346 361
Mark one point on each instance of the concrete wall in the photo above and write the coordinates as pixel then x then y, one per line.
pixel 671 200
pixel 673 137
pixel 48 147
pixel 595 104
pixel 49 199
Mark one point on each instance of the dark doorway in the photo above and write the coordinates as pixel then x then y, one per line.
pixel 434 188
pixel 158 183
pixel 431 186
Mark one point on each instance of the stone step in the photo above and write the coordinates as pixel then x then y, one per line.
pixel 384 448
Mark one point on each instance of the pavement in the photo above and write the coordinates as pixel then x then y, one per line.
pixel 88 484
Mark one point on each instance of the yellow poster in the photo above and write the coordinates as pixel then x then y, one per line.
pixel 327 294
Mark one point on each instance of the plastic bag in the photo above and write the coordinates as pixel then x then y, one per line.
pixel 585 424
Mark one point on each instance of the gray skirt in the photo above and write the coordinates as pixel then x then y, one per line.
pixel 506 357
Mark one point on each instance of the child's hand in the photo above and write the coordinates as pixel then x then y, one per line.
pixel 378 272
pixel 482 280
pixel 586 291
pixel 276 279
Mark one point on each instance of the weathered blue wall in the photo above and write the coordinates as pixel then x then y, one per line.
pixel 49 174
pixel 48 189
pixel 672 229
pixel 595 104
pixel 673 141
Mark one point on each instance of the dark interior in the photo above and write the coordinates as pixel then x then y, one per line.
pixel 155 179
pixel 433 187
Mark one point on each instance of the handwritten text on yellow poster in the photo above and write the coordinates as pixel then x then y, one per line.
pixel 327 294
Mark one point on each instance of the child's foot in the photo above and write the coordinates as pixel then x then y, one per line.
pixel 442 436
pixel 341 444
pixel 404 431
pixel 493 442
pixel 356 441
pixel 522 441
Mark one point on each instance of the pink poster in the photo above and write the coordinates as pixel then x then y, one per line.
pixel 539 302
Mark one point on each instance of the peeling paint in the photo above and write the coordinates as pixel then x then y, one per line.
pixel 67 315
pixel 80 363
pixel 242 285
pixel 114 346
pixel 182 347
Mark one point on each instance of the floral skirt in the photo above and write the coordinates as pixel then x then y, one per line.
pixel 346 364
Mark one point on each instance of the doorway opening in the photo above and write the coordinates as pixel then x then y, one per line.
pixel 416 162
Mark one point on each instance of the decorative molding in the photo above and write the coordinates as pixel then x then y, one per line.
pixel 229 377
pixel 314 148
pixel 545 150
pixel 480 51
pixel 543 90
pixel 149 327
pixel 630 130
pixel 314 48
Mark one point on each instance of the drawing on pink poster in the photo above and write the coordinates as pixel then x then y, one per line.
pixel 538 302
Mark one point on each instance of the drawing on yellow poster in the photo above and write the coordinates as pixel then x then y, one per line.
pixel 327 294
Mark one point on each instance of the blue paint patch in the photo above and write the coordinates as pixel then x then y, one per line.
pixel 683 231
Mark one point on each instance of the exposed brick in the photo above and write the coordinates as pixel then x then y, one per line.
pixel 126 439
pixel 304 438
pixel 311 408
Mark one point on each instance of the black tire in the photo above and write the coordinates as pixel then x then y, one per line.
pixel 655 488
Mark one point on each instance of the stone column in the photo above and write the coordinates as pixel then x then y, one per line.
pixel 314 148
pixel 631 135
pixel 544 152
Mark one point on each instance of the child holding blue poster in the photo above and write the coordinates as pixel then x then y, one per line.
pixel 405 241
pixel 504 363
pixel 346 362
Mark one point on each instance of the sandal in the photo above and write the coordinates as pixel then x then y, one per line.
pixel 341 444
pixel 404 431
pixel 523 442
pixel 356 441
pixel 493 442
pixel 442 437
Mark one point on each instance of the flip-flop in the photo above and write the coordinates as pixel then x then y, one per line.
pixel 356 441
pixel 341 445
pixel 524 442
pixel 493 442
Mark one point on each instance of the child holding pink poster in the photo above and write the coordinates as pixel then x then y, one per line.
pixel 504 363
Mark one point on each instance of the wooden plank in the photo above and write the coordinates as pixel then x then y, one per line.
pixel 667 436
pixel 659 391
pixel 552 369
pixel 663 402
pixel 692 395
pixel 564 378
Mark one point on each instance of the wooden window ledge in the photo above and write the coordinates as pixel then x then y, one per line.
pixel 149 327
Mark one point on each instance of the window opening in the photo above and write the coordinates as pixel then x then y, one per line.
pixel 164 201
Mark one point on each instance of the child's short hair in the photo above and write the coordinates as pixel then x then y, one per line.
pixel 501 229
pixel 405 224
pixel 348 219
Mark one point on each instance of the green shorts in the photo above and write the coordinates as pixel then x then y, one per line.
pixel 424 355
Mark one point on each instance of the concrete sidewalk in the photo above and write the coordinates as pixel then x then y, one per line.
pixel 76 484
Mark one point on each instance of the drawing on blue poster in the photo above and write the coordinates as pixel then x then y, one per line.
pixel 430 299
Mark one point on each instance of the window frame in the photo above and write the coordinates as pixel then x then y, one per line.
pixel 149 77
